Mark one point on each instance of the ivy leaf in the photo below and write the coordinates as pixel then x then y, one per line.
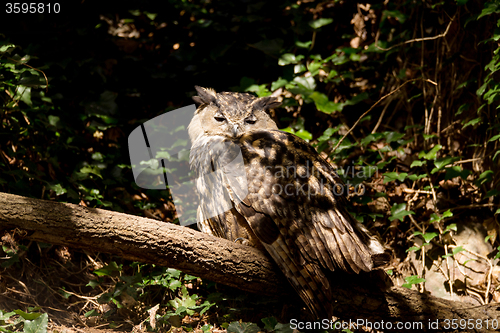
pixel 289 58
pixel 39 325
pixel 414 248
pixel 390 176
pixel 489 8
pixel 307 83
pixel 303 134
pixel 472 122
pixel 458 249
pixel 269 323
pixel 327 134
pixel 26 315
pixel 450 227
pixel 431 155
pixel 496 137
pixel 456 171
pixel 278 84
pixel 428 236
pixel 442 162
pixel 316 24
pixel 417 163
pixel 411 280
pixel 323 104
pixel 398 211
pixel 237 327
pixel 283 328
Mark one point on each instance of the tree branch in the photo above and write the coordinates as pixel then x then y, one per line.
pixel 146 240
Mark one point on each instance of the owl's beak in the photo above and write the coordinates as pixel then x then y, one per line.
pixel 236 129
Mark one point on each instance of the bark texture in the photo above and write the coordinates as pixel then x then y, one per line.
pixel 146 240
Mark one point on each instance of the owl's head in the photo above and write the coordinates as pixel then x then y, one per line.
pixel 230 114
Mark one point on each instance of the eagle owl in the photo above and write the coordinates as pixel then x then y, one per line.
pixel 272 190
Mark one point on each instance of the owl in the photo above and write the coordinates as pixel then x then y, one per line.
pixel 270 189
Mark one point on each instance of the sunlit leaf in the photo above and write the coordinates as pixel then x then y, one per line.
pixel 316 24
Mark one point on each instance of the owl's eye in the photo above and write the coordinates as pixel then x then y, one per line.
pixel 220 119
pixel 250 121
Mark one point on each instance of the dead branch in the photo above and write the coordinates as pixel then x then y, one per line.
pixel 146 240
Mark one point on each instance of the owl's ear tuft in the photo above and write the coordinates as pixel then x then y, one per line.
pixel 205 95
pixel 265 103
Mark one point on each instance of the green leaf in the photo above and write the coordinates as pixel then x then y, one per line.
pixel 303 134
pixel 283 328
pixel 496 137
pixel 38 325
pixel 323 104
pixel 462 108
pixel 327 134
pixel 429 136
pixel 91 169
pixel 307 83
pixel 450 227
pixel 391 176
pixel 269 46
pixel 91 313
pixel 428 236
pixel 398 211
pixel 237 327
pixel 457 250
pixel 316 24
pixel 472 122
pixel 29 316
pixel 440 163
pixel 431 155
pixel 414 248
pixel 269 323
pixel 6 315
pixel 175 273
pixel 289 58
pixel 93 284
pixel 174 285
pixel 57 188
pixel 7 48
pixel 395 14
pixel 456 171
pixel 411 280
pixel 498 254
pixel 304 45
pixel 446 214
pixel 485 177
pixel 107 270
pixel 417 163
pixel 490 8
pixel 278 84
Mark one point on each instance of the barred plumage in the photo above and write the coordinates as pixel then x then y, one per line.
pixel 285 200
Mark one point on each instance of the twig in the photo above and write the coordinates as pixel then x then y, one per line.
pixel 487 292
pixel 416 40
pixel 467 161
pixel 410 190
pixel 470 206
pixel 36 69
pixel 381 117
pixel 449 271
pixel 416 224
pixel 376 103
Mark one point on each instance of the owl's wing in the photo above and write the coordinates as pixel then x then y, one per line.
pixel 295 206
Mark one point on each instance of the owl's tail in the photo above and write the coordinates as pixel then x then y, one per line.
pixel 308 280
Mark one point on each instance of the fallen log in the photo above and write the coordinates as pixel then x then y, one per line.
pixel 246 268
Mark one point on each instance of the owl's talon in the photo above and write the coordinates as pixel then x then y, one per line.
pixel 242 239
